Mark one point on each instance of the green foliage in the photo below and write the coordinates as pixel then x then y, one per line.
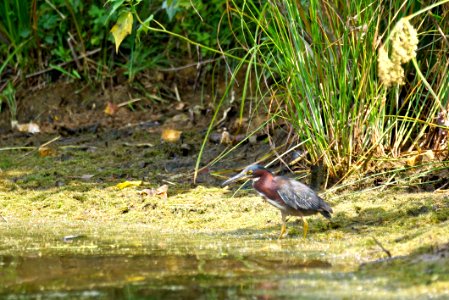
pixel 15 29
pixel 99 19
pixel 206 23
pixel 84 23
pixel 199 24
pixel 55 32
pixel 8 95
pixel 16 20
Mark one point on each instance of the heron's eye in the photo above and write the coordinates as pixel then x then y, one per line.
pixel 250 172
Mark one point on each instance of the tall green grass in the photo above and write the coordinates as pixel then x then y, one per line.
pixel 318 62
pixel 16 29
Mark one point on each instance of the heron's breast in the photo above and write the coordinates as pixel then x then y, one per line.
pixel 268 190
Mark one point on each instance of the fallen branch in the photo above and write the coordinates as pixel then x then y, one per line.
pixel 382 247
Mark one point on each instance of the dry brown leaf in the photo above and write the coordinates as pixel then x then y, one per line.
pixel 171 135
pixel 226 138
pixel 28 127
pixel 430 155
pixel 111 109
pixel 160 191
pixel 180 105
pixel 46 151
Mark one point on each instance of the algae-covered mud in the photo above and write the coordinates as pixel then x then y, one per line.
pixel 68 230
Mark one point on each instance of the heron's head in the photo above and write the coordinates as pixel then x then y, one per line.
pixel 251 172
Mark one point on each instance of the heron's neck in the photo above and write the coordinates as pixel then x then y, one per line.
pixel 266 177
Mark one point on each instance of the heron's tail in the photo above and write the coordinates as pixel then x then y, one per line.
pixel 326 210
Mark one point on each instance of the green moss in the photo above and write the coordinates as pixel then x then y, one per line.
pixel 5 162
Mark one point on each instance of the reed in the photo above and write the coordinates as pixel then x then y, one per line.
pixel 341 77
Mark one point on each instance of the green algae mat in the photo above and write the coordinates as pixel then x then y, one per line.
pixel 68 229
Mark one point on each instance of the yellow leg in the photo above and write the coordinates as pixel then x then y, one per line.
pixel 283 230
pixel 284 226
pixel 306 226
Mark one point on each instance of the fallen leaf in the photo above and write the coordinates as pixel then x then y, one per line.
pixel 226 138
pixel 160 191
pixel 430 155
pixel 46 151
pixel 412 160
pixel 126 184
pixel 28 127
pixel 86 176
pixel 111 109
pixel 171 135
pixel 180 105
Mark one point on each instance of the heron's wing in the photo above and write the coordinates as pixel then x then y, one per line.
pixel 297 195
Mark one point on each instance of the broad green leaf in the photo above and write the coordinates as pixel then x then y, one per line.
pixel 115 5
pixel 144 27
pixel 122 28
pixel 171 7
pixel 145 24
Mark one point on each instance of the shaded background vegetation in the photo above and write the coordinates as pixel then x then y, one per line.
pixel 300 74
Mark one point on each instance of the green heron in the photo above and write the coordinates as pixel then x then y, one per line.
pixel 291 197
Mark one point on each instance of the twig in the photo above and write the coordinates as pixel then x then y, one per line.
pixel 382 247
pixel 129 102
pixel 89 53
pixel 197 12
pixel 43 145
pixel 72 50
pixel 178 98
pixel 3 218
pixel 56 9
pixel 190 65
pixel 155 97
pixel 138 145
pixel 17 148
pixel 50 141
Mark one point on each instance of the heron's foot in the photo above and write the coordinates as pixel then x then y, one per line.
pixel 283 230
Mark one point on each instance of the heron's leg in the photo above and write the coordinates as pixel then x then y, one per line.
pixel 283 229
pixel 306 226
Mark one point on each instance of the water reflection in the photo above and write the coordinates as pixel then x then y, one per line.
pixel 141 276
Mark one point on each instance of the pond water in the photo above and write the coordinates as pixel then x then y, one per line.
pixel 88 261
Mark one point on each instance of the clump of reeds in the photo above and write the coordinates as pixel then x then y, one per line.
pixel 404 42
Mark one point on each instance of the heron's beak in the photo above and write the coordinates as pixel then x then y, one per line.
pixel 234 178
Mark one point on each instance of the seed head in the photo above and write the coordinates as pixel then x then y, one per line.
pixel 404 42
pixel 390 72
